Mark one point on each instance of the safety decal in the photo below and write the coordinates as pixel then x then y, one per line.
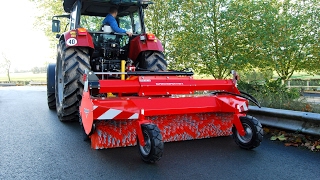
pixel 72 41
pixel 110 113
pixel 243 107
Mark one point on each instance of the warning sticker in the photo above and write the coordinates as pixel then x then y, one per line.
pixel 72 42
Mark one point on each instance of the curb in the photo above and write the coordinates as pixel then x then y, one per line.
pixel 299 121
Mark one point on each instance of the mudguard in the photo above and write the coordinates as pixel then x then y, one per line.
pixel 141 43
pixel 78 37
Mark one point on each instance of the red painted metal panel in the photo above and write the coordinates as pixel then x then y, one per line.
pixel 137 46
pixel 73 39
pixel 86 112
pixel 116 86
pixel 165 85
pixel 154 106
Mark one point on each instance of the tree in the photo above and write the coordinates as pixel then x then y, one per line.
pixel 43 22
pixel 209 38
pixel 284 37
pixel 216 36
pixel 6 64
pixel 161 19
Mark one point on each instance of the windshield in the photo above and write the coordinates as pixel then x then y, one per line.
pixel 93 23
pixel 126 23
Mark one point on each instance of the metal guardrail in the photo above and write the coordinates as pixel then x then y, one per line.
pixel 37 83
pixel 304 122
pixel 8 84
pixel 23 84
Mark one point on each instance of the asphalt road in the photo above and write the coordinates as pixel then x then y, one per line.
pixel 34 144
pixel 312 97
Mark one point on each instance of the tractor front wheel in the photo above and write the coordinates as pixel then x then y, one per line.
pixel 153 149
pixel 253 130
pixel 51 95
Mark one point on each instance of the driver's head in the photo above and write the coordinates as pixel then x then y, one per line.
pixel 113 11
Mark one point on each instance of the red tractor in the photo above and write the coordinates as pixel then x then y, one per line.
pixel 120 91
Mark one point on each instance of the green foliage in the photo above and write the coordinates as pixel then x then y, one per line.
pixel 91 23
pixel 214 37
pixel 38 70
pixel 273 94
pixel 256 75
pixel 285 35
pixel 208 38
pixel 43 22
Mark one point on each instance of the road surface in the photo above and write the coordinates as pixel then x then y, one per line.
pixel 34 144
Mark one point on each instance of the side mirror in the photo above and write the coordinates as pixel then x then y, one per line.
pixel 55 25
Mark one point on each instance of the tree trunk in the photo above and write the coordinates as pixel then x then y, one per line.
pixel 8 75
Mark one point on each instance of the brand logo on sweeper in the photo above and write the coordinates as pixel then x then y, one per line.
pixel 86 111
pixel 169 84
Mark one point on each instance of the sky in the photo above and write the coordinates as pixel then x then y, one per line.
pixel 20 41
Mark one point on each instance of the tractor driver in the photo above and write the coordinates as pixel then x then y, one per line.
pixel 111 21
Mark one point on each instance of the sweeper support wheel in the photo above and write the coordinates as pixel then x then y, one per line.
pixel 153 149
pixel 253 133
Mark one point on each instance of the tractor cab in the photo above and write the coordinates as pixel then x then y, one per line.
pixel 90 14
pixel 108 48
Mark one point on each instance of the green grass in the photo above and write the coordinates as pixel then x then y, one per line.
pixel 24 77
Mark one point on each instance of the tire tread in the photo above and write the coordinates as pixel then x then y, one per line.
pixel 76 60
pixel 156 141
pixel 257 136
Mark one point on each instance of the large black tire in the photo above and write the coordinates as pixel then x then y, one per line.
pixel 153 149
pixel 253 136
pixel 70 67
pixel 152 61
pixel 51 97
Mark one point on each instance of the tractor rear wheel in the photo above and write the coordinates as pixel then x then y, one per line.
pixel 153 149
pixel 70 67
pixel 51 97
pixel 253 130
pixel 153 61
